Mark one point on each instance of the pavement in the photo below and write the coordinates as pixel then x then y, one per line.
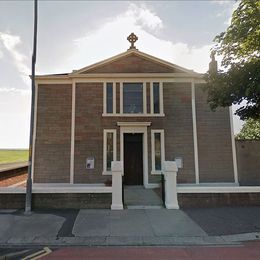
pixel 131 227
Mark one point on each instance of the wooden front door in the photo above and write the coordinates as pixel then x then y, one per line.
pixel 133 159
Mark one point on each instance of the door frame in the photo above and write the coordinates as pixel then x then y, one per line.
pixel 131 127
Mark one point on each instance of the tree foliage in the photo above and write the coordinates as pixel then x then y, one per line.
pixel 239 46
pixel 250 130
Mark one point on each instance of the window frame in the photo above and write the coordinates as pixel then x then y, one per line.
pixel 147 85
pixel 105 98
pixel 161 132
pixel 122 97
pixel 161 112
pixel 105 132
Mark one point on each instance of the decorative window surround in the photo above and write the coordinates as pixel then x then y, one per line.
pixel 161 113
pixel 105 98
pixel 161 132
pixel 106 131
pixel 144 114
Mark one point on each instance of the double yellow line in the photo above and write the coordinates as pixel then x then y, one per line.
pixel 38 254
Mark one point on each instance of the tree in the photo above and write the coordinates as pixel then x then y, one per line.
pixel 250 130
pixel 239 80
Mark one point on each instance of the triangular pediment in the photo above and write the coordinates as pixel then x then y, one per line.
pixel 132 61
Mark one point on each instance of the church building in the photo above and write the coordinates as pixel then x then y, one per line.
pixel 134 108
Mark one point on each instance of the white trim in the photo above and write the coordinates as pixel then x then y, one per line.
pixel 218 189
pixel 161 97
pixel 34 128
pixel 72 146
pixel 114 97
pixel 144 98
pixel 105 132
pixel 234 155
pixel 134 124
pixel 151 99
pixel 134 77
pixel 133 115
pixel 134 128
pixel 97 188
pixel 161 106
pixel 161 132
pixel 195 136
pixel 104 97
pixel 121 97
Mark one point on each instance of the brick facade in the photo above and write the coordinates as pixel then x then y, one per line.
pixel 53 139
pixel 53 134
pixel 214 141
pixel 248 163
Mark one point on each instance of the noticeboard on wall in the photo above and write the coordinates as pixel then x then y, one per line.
pixel 90 163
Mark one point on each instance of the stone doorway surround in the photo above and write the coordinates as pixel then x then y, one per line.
pixel 136 127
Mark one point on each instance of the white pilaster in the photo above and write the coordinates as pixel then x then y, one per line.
pixel 195 137
pixel 72 132
pixel 117 172
pixel 234 155
pixel 170 174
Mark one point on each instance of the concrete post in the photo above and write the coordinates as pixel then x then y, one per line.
pixel 117 172
pixel 170 173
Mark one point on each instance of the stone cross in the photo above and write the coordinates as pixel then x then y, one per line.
pixel 132 38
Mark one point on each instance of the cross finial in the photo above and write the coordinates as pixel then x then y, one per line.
pixel 132 38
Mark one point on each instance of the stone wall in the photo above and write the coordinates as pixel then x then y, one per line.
pixel 248 161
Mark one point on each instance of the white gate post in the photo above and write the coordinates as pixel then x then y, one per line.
pixel 170 174
pixel 117 172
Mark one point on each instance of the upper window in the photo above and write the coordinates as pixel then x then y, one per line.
pixel 156 98
pixel 109 90
pixel 109 99
pixel 133 98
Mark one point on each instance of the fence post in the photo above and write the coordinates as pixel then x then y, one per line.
pixel 117 172
pixel 170 170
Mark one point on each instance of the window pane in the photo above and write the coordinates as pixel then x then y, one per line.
pixel 109 98
pixel 157 148
pixel 133 98
pixel 156 98
pixel 109 150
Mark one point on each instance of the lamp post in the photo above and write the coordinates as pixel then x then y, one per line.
pixel 28 199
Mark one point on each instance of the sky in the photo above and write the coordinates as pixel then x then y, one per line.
pixel 74 34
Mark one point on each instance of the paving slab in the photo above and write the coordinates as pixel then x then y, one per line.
pixel 226 220
pixel 173 223
pixel 29 226
pixel 130 223
pixel 92 223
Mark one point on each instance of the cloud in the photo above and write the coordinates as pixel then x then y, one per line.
pixel 110 39
pixel 145 17
pixel 11 44
pixel 15 90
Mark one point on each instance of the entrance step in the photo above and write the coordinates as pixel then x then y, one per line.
pixel 138 197
pixel 144 207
